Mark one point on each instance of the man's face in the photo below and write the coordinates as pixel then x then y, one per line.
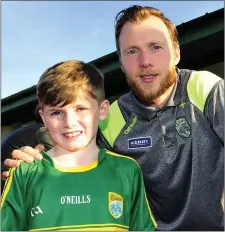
pixel 148 58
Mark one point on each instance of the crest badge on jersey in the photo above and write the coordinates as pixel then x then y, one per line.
pixel 183 128
pixel 115 204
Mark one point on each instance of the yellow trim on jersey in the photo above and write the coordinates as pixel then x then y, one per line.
pixel 98 229
pixel 150 212
pixel 123 156
pixel 89 227
pixel 77 169
pixel 7 185
pixel 199 86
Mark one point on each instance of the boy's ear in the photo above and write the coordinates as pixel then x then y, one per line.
pixel 104 110
pixel 42 116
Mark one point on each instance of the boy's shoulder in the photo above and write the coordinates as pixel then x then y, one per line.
pixel 25 168
pixel 29 168
pixel 125 162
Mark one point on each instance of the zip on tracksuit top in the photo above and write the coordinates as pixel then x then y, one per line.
pixel 179 148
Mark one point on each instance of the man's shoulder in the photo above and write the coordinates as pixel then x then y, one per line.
pixel 123 105
pixel 203 76
pixel 34 126
pixel 206 77
pixel 25 130
pixel 199 86
pixel 123 98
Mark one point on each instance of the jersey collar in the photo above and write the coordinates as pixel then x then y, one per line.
pixel 85 168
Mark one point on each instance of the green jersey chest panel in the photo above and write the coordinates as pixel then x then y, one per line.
pixel 90 199
pixel 107 196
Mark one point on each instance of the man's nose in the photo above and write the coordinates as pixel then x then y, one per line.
pixel 145 59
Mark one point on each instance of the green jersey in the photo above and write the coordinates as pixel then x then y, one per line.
pixel 109 194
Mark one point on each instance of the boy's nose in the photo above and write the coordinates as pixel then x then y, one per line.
pixel 70 120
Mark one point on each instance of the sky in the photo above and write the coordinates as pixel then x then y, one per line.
pixel 39 34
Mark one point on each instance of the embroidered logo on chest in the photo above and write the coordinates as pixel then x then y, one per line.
pixel 183 128
pixel 141 142
pixel 129 128
pixel 115 204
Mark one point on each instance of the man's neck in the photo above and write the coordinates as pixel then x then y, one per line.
pixel 161 100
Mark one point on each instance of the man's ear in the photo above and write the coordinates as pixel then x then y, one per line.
pixel 177 55
pixel 121 65
pixel 122 68
pixel 104 110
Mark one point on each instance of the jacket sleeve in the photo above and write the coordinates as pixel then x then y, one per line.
pixel 13 212
pixel 214 109
pixel 141 215
pixel 23 136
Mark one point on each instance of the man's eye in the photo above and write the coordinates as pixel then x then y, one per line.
pixel 55 113
pixel 155 48
pixel 131 52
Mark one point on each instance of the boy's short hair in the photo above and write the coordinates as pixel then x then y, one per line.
pixel 63 82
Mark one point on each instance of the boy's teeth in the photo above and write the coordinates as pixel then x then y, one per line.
pixel 71 134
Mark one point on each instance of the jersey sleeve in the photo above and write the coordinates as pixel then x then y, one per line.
pixel 214 109
pixel 13 212
pixel 141 215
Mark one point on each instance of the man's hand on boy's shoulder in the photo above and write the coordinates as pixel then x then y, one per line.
pixel 27 154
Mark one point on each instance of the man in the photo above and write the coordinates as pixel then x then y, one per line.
pixel 171 123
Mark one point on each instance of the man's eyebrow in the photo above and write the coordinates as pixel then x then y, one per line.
pixel 156 43
pixel 149 44
pixel 131 47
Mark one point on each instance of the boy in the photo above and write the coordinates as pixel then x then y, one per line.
pixel 77 186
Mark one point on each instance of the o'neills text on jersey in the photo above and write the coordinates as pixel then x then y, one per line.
pixel 84 199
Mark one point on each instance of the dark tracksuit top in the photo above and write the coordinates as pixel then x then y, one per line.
pixel 179 148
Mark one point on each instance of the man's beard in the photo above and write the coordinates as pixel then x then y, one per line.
pixel 146 92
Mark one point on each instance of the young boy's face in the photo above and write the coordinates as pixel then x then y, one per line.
pixel 74 126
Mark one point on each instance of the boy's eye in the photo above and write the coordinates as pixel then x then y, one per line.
pixel 81 109
pixel 55 113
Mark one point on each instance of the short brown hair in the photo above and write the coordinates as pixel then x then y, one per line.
pixel 136 14
pixel 63 82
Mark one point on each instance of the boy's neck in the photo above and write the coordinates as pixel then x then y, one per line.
pixel 68 159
